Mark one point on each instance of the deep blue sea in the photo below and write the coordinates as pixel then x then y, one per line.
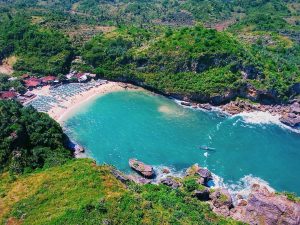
pixel 158 131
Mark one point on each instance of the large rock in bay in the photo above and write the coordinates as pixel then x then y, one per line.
pixel 171 182
pixel 267 208
pixel 141 168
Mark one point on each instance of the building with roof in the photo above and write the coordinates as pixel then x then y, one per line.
pixel 48 79
pixel 4 95
pixel 81 77
pixel 32 82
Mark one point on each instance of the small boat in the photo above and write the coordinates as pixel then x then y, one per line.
pixel 206 148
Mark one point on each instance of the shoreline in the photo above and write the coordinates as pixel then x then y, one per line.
pixel 72 104
pixel 67 106
pixel 287 116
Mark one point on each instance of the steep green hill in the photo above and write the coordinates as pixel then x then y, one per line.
pixel 29 139
pixel 202 63
pixel 163 44
pixel 79 192
pixel 38 50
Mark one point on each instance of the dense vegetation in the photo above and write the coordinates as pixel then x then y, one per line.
pixel 6 84
pixel 29 139
pixel 37 50
pixel 192 61
pixel 162 44
pixel 81 193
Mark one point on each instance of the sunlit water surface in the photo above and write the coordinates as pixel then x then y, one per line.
pixel 158 131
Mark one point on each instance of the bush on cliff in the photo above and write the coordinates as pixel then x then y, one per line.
pixel 29 139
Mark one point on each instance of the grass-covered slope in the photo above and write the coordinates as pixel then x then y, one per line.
pixel 79 192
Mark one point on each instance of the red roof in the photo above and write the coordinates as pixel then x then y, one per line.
pixel 32 82
pixel 8 95
pixel 48 78
pixel 78 75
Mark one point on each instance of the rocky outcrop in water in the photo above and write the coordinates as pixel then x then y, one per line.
pixel 289 114
pixel 143 169
pixel 292 118
pixel 262 206
pixel 203 174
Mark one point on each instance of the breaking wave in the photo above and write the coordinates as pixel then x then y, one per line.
pixel 263 118
pixel 241 187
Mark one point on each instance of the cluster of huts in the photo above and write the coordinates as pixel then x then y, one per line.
pixel 31 83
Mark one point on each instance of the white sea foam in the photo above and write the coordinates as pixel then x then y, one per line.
pixel 206 154
pixel 259 118
pixel 242 187
pixel 263 118
pixel 173 172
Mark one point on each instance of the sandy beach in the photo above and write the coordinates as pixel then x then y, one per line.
pixel 67 106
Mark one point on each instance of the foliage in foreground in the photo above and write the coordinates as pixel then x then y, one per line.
pixel 29 139
pixel 79 192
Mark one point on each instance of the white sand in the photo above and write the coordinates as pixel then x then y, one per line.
pixel 71 104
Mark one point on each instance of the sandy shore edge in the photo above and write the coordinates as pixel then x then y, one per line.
pixel 71 105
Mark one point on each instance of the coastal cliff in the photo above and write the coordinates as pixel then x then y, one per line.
pixel 261 205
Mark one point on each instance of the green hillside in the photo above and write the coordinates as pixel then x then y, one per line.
pixel 165 45
pixel 79 192
pixel 29 139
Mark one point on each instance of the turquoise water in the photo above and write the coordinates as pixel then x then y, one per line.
pixel 156 130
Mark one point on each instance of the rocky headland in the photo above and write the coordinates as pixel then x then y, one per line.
pixel 261 206
pixel 288 114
